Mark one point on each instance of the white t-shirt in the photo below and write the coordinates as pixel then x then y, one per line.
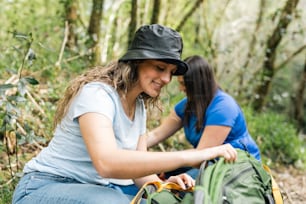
pixel 66 154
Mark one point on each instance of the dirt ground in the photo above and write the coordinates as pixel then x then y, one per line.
pixel 292 183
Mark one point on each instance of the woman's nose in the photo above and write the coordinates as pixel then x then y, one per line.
pixel 166 77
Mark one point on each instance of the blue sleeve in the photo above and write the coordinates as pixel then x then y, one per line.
pixel 179 108
pixel 222 111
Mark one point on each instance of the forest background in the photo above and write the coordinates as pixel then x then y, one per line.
pixel 257 49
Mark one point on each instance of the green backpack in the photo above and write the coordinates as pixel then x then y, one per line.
pixel 244 181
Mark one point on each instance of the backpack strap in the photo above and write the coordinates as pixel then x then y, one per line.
pixel 203 166
pixel 168 185
pixel 156 187
pixel 145 190
pixel 275 189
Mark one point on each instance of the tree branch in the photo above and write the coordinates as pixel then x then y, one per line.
pixel 60 56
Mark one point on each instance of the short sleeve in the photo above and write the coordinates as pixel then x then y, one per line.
pixel 179 108
pixel 95 98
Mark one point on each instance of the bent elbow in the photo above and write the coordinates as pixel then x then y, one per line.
pixel 106 171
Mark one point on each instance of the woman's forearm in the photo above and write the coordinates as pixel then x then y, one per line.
pixel 125 164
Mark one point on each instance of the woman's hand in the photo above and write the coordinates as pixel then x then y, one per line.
pixel 184 180
pixel 227 151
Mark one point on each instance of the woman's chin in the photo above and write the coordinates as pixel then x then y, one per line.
pixel 153 94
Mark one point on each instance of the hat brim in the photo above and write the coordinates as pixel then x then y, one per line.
pixel 142 54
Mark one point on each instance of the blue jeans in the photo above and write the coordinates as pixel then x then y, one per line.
pixel 38 188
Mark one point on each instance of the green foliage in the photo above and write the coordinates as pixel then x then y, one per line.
pixel 16 101
pixel 277 138
pixel 6 193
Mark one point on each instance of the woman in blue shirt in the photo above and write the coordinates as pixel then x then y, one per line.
pixel 209 116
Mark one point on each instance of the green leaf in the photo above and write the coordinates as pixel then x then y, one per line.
pixel 20 36
pixel 4 87
pixel 31 80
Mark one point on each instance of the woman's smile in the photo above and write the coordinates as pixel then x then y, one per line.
pixel 153 75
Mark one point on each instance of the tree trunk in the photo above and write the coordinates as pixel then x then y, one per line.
pixel 188 14
pixel 113 39
pixel 155 12
pixel 262 90
pixel 133 22
pixel 299 100
pixel 210 48
pixel 197 28
pixel 71 9
pixel 241 87
pixel 111 34
pixel 94 30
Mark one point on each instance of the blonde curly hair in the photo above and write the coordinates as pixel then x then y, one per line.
pixel 120 75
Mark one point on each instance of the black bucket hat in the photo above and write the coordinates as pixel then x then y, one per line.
pixel 157 42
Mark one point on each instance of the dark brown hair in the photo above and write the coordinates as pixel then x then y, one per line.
pixel 201 87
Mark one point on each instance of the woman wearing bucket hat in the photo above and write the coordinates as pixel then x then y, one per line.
pixel 97 151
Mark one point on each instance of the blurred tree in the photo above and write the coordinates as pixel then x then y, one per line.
pixel 94 30
pixel 251 50
pixel 155 12
pixel 298 102
pixel 133 21
pixel 188 14
pixel 111 35
pixel 210 48
pixel 268 70
pixel 71 9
